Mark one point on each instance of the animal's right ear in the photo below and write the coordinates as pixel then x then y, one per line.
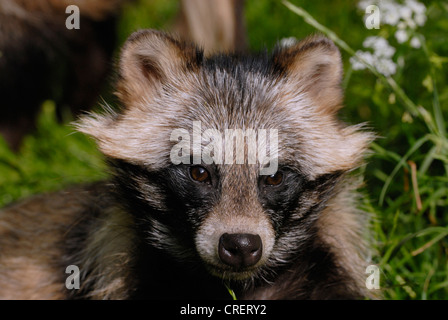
pixel 314 67
pixel 150 58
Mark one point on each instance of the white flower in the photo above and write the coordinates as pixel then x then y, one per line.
pixel 383 65
pixel 386 66
pixel 364 55
pixel 380 46
pixel 405 16
pixel 405 12
pixel 369 42
pixel 380 59
pixel 356 64
pixel 417 7
pixel 363 4
pixel 415 42
pixel 401 36
pixel 411 23
pixel 420 19
pixel 412 13
pixel 288 42
pixel 390 13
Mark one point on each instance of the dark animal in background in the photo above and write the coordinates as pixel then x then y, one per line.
pixel 163 230
pixel 41 59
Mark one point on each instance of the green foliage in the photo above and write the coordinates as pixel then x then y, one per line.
pixel 54 157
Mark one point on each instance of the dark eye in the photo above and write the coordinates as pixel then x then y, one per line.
pixel 274 179
pixel 199 174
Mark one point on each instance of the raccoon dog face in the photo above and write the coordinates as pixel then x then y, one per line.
pixel 229 217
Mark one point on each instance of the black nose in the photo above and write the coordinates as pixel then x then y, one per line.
pixel 240 250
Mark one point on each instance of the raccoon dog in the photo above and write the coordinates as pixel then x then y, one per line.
pixel 160 229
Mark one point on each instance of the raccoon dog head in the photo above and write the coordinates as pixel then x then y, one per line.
pixel 215 210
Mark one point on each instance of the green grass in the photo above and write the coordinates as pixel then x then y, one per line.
pixel 406 179
pixel 54 157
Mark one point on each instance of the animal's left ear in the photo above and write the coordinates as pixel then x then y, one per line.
pixel 314 67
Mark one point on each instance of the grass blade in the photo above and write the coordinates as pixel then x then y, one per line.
pixel 403 160
pixel 231 292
